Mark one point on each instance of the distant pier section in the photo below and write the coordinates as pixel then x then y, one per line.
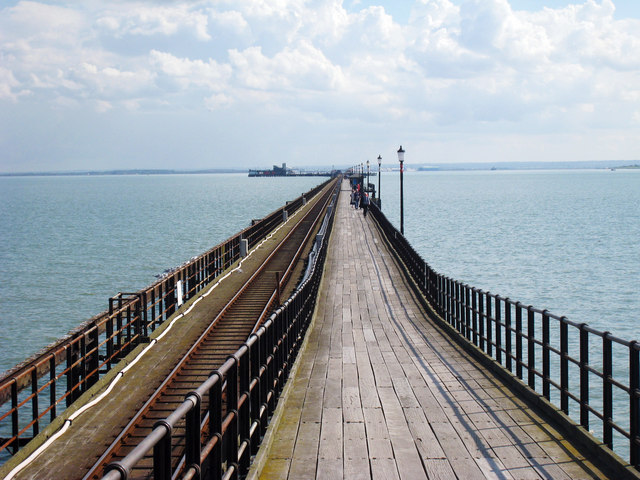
pixel 284 171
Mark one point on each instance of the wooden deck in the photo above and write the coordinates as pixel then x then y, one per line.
pixel 380 392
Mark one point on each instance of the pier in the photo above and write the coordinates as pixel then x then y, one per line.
pixel 364 363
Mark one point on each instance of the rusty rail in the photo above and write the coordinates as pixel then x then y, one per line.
pixel 34 393
pixel 240 395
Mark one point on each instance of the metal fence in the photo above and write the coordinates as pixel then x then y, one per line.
pixel 570 364
pixel 33 394
pixel 240 396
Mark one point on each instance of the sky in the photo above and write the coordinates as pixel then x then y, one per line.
pixel 205 84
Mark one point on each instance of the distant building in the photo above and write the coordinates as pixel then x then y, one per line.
pixel 275 172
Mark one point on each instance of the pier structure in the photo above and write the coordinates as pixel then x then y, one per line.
pixel 384 369
pixel 381 390
pixel 284 171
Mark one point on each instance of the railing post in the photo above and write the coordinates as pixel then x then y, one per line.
pixel 15 419
pixel 152 305
pixel 162 453
pixel 447 304
pixel 118 352
pixel 507 334
pixel 52 387
pixel 170 296
pixel 93 357
pixel 440 303
pixel 634 404
pixel 254 356
pixel 109 337
pixel 137 321
pixel 244 412
pixel 193 433
pixel 498 317
pixel 232 408
pixel 73 372
pixel 564 365
pixel 457 301
pixel 546 356
pixel 215 426
pixel 489 329
pixel 607 391
pixel 531 346
pixel 34 402
pixel 129 337
pixel 142 298
pixel 474 309
pixel 468 313
pixel 481 318
pixel 519 340
pixel 584 376
pixel 265 377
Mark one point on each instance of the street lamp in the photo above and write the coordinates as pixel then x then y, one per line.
pixel 379 164
pixel 366 189
pixel 401 160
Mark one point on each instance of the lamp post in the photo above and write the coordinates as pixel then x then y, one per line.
pixel 368 164
pixel 401 160
pixel 379 164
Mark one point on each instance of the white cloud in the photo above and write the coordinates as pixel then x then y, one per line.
pixel 7 85
pixel 480 66
pixel 186 72
pixel 148 19
pixel 110 81
pixel 302 67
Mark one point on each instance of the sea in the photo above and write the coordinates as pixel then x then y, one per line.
pixel 563 240
pixel 69 243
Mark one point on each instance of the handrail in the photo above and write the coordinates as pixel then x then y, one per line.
pixel 247 385
pixel 34 393
pixel 537 347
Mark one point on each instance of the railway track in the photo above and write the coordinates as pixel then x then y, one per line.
pixel 230 328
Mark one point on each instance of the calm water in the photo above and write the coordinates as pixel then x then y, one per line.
pixel 67 244
pixel 567 241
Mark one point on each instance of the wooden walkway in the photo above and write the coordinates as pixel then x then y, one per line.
pixel 380 392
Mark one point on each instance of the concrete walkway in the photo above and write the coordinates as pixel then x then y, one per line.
pixel 380 392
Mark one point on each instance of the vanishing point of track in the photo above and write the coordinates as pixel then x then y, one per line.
pixel 230 328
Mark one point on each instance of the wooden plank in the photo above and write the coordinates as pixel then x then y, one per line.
pixel 438 469
pixel 276 468
pixel 312 407
pixel 384 469
pixel 329 468
pixel 356 469
pixel 331 434
pixel 307 441
pixel 426 441
pixel 455 451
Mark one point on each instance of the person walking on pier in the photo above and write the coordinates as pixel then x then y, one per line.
pixel 365 203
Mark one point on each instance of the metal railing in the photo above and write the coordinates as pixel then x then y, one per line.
pixel 570 364
pixel 240 396
pixel 34 393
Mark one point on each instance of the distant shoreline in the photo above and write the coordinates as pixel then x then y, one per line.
pixel 119 172
pixel 592 165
